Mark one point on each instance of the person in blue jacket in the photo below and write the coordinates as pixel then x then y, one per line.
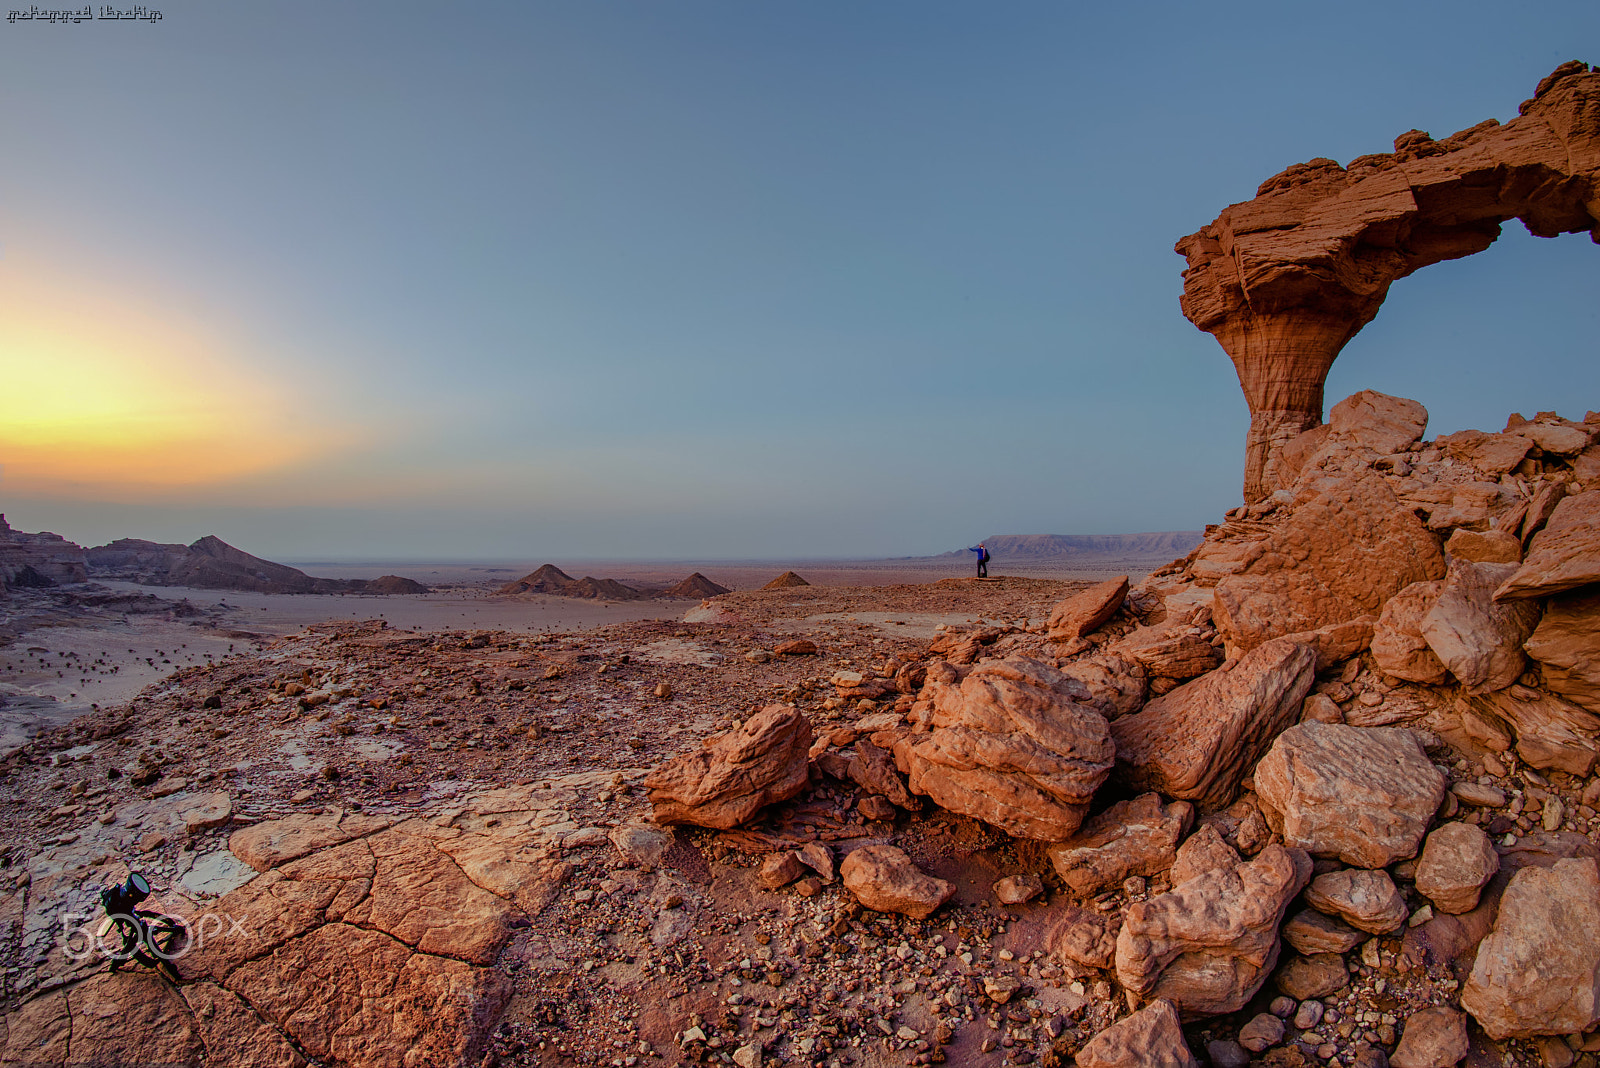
pixel 983 559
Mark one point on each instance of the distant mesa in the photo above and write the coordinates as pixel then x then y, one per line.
pixel 38 560
pixel 1063 548
pixel 695 587
pixel 785 580
pixel 552 581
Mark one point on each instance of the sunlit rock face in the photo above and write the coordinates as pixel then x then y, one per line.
pixel 1285 280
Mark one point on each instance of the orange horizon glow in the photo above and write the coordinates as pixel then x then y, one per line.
pixel 106 398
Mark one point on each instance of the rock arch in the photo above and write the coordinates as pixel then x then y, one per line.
pixel 1285 280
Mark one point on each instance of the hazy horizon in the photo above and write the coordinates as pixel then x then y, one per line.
pixel 704 280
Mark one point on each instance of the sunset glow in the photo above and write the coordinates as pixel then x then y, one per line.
pixel 108 399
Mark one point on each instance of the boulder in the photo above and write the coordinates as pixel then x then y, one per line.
pixel 1363 794
pixel 1538 971
pixel 1556 438
pixel 1149 1038
pixel 1566 643
pixel 1321 708
pixel 819 858
pixel 1540 509
pixel 1196 742
pixel 1170 651
pixel 1119 684
pixel 1457 860
pixel 1016 744
pixel 1484 547
pixel 1312 932
pixel 736 774
pixel 1337 642
pixel 1476 638
pixel 1493 454
pixel 1137 837
pixel 1312 977
pixel 1549 732
pixel 796 647
pixel 1434 1038
pixel 1086 610
pixel 1398 647
pixel 1562 556
pixel 1340 555
pixel 1365 899
pixel 1377 421
pixel 883 879
pixel 1210 943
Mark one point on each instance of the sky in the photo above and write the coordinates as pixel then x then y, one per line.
pixel 696 279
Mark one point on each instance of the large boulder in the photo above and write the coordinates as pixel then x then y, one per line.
pixel 1476 638
pixel 1087 610
pixel 1170 650
pixel 1149 1038
pixel 1017 744
pixel 1562 556
pixel 1210 943
pixel 1341 555
pixel 1196 742
pixel 1398 647
pixel 884 879
pixel 1363 794
pixel 1377 421
pixel 1457 860
pixel 1137 837
pixel 1538 971
pixel 736 774
pixel 1493 454
pixel 1566 643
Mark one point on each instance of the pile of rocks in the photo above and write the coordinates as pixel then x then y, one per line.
pixel 1367 704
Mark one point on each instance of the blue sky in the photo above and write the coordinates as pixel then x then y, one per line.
pixel 702 279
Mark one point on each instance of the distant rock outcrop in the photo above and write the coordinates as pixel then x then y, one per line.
pixel 213 564
pixel 1285 280
pixel 786 580
pixel 38 560
pixel 552 581
pixel 694 588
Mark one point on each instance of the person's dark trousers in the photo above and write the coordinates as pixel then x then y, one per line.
pixel 983 569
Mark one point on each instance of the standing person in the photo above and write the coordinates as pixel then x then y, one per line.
pixel 983 559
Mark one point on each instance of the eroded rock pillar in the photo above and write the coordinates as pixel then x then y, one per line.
pixel 1282 359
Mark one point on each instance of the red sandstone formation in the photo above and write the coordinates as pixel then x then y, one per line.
pixel 1285 280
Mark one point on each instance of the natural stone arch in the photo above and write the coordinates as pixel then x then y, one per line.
pixel 1285 280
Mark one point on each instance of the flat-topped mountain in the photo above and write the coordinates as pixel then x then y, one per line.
pixel 1046 547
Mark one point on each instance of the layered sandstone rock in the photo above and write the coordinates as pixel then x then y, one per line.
pixel 1196 742
pixel 1341 555
pixel 1564 555
pixel 1209 944
pixel 1087 609
pixel 1170 650
pixel 1548 732
pixel 1365 899
pixel 1138 837
pixel 1148 1038
pixel 1016 744
pixel 1364 795
pixel 1476 638
pixel 883 878
pixel 1398 647
pixel 1285 280
pixel 736 774
pixel 1567 645
pixel 1434 1038
pixel 38 559
pixel 1538 972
